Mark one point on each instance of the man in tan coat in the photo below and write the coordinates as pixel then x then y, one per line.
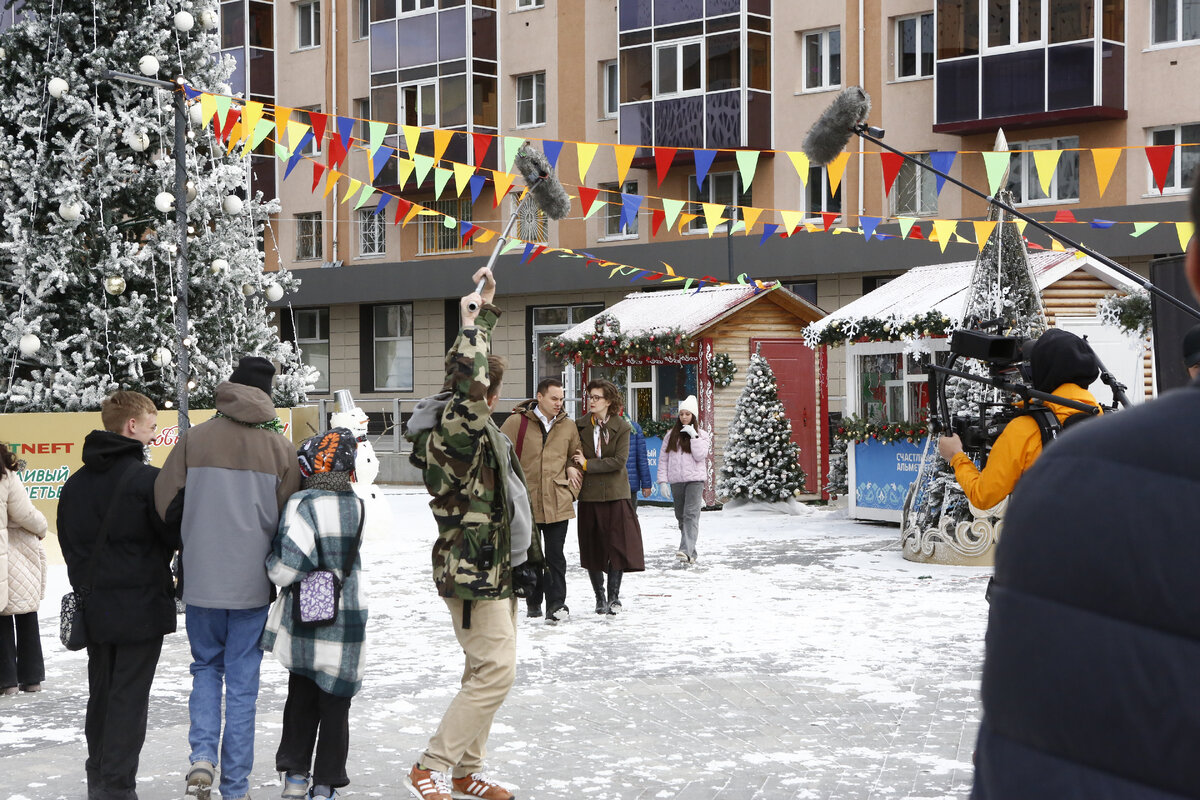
pixel 544 439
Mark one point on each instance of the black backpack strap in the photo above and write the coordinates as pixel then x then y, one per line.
pixel 1078 416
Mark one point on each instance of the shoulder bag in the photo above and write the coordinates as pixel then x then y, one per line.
pixel 315 601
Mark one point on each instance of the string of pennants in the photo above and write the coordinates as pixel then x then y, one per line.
pixel 249 124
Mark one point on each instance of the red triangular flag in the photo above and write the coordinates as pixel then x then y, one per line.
pixel 402 205
pixel 1064 215
pixel 337 152
pixel 829 217
pixel 318 171
pixel 1159 156
pixel 466 237
pixel 891 168
pixel 587 196
pixel 318 121
pixel 915 232
pixel 230 120
pixel 656 220
pixel 482 142
pixel 537 252
pixel 663 156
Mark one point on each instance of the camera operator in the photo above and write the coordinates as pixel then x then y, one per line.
pixel 1061 364
pixel 1090 683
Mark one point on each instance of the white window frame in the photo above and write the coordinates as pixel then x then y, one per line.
pixel 611 89
pixel 403 386
pixel 364 19
pixel 418 7
pixel 309 240
pixel 529 5
pixel 1177 38
pixel 422 88
pixel 1172 185
pixel 825 83
pixel 1014 27
pixel 917 20
pixel 923 179
pixel 678 46
pixel 576 313
pixel 530 89
pixel 433 237
pixel 305 344
pixel 741 198
pixel 311 9
pixel 372 234
pixel 362 110
pixel 856 350
pixel 806 194
pixel 612 212
pixel 1029 170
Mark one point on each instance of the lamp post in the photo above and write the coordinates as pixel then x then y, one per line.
pixel 181 222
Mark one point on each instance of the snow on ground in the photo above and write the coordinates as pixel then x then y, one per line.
pixel 800 657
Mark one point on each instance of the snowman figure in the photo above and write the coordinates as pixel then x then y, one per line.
pixel 366 464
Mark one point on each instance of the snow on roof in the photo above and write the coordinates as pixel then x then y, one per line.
pixel 943 287
pixel 687 309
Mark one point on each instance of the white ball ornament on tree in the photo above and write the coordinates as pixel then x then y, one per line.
pixel 138 142
pixel 148 65
pixel 114 284
pixel 161 357
pixel 248 289
pixel 196 113
pixel 164 202
pixel 57 87
pixel 191 191
pixel 274 292
pixel 208 19
pixel 29 344
pixel 219 266
pixel 69 210
pixel 184 21
pixel 232 205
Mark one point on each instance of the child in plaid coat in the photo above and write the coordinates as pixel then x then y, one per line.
pixel 320 529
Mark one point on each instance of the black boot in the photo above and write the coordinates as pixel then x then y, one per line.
pixel 614 590
pixel 598 587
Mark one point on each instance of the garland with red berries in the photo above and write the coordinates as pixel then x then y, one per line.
pixel 857 429
pixel 613 347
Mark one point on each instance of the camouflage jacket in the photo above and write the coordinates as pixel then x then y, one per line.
pixel 466 463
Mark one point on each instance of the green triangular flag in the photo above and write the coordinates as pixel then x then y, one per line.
pixel 424 164
pixel 596 206
pixel 747 162
pixel 511 244
pixel 511 145
pixel 364 196
pixel 906 224
pixel 440 178
pixel 377 131
pixel 222 103
pixel 997 164
pixel 672 207
pixel 1141 227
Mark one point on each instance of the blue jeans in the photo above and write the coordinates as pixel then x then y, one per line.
pixel 225 651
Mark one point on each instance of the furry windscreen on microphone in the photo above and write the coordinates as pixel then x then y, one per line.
pixel 547 192
pixel 829 134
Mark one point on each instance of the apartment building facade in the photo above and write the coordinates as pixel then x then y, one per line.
pixel 377 307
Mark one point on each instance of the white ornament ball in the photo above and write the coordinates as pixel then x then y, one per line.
pixel 232 204
pixel 138 142
pixel 218 266
pixel 164 201
pixel 208 19
pixel 148 65
pixel 196 113
pixel 30 344
pixel 3 54
pixel 114 284
pixel 248 289
pixel 69 211
pixel 184 21
pixel 161 357
pixel 191 191
pixel 274 292
pixel 57 87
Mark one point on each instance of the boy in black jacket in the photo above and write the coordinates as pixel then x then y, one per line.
pixel 129 603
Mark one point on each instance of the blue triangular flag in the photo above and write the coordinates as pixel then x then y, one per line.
pixel 381 158
pixel 1102 223
pixel 383 201
pixel 630 203
pixel 191 93
pixel 639 274
pixel 345 125
pixel 768 231
pixel 528 249
pixel 296 156
pixel 552 150
pixel 941 161
pixel 704 160
pixel 868 225
pixel 477 182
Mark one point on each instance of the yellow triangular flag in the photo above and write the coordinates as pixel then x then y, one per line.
pixel 1046 161
pixel 836 169
pixel 624 154
pixel 800 162
pixel 404 168
pixel 462 177
pixel 412 135
pixel 1020 223
pixel 1055 244
pixel 251 114
pixel 983 232
pixel 1185 231
pixel 295 132
pixel 331 181
pixel 412 212
pixel 355 183
pixel 441 140
pixel 208 107
pixel 486 236
pixel 1105 159
pixel 585 152
pixel 712 215
pixel 791 219
pixel 750 213
pixel 943 229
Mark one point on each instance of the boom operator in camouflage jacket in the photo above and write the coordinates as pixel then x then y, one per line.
pixel 473 474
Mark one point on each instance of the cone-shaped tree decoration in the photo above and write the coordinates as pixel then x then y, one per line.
pixel 760 460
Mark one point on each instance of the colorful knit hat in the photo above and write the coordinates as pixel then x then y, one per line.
pixel 332 451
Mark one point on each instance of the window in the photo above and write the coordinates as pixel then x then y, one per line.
pixel 545 323
pixel 872 282
pixel 434 237
pixel 418 104
pixel 411 6
pixel 313 148
pixel 523 5
pixel 915 191
pixel 531 99
pixel 611 89
pixel 362 110
pixel 890 386
pixel 914 47
pixel 312 338
pixel 1174 21
pixel 364 19
pixel 308 237
pixel 1023 178
pixel 678 69
pixel 817 199
pixel 1182 172
pixel 393 341
pixel 308 24
pixel 651 392
pixel 1013 23
pixel 723 188
pixel 532 225
pixel 822 59
pixel 612 211
pixel 804 289
pixel 370 234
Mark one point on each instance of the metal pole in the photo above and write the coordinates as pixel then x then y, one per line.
pixel 181 260
pixel 864 132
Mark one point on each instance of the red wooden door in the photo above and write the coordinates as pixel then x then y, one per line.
pixel 794 366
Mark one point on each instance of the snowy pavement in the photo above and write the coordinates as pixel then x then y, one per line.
pixel 802 657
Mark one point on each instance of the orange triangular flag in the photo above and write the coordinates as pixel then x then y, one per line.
pixel 624 154
pixel 503 180
pixel 836 169
pixel 684 219
pixel 983 232
pixel 750 214
pixel 1105 159
pixel 441 140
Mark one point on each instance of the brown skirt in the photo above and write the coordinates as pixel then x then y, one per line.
pixel 610 536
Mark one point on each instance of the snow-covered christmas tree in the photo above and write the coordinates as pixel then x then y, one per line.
pixel 87 256
pixel 760 462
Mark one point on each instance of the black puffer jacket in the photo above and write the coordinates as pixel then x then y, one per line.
pixel 132 598
pixel 1091 682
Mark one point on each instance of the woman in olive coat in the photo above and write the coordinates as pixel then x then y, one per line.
pixel 610 538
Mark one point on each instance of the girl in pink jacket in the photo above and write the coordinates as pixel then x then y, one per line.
pixel 683 463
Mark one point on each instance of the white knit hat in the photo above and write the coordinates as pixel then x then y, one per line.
pixel 690 404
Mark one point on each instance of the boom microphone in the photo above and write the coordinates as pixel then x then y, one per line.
pixel 547 192
pixel 833 129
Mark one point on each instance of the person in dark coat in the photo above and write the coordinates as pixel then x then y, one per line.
pixel 131 604
pixel 1093 639
pixel 637 465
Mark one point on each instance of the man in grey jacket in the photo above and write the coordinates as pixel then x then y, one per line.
pixel 226 482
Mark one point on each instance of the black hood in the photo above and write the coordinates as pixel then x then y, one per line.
pixel 102 449
pixel 1060 357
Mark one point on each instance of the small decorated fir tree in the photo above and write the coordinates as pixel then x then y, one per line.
pixel 760 459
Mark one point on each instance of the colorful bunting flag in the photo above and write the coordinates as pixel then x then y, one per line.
pixel 222 103
pixel 315 118
pixel 318 171
pixel 1184 230
pixel 869 224
pixel 791 219
pixel 331 181
pixel 747 161
pixel 624 154
pixel 768 231
pixel 1064 215
pixel 462 177
pixel 402 208
pixel 656 220
pixel 829 217
pixel 891 163
pixel 412 138
pixel 501 182
pixel 404 168
pixel 355 183
pixel 983 231
pixel 712 215
pixel 384 199
pixel 801 163
pixel 481 142
pixel 630 203
pixel 424 164
pixel 511 145
pixel 441 140
pixel 663 156
pixel 704 160
pixel 1160 156
pixel 440 178
pixel 345 127
pixel 750 214
pixel 996 163
pixel 1141 227
pixel 1102 223
pixel 836 169
pixel 1046 162
pixel 1105 159
pixel 552 150
pixel 906 224
pixel 942 160
pixel 375 133
pixel 584 153
pixel 587 196
pixel 477 184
